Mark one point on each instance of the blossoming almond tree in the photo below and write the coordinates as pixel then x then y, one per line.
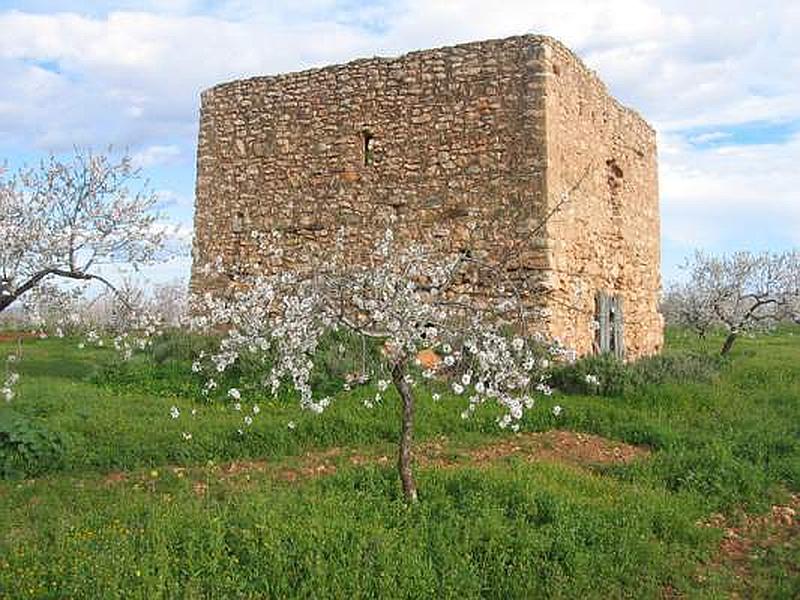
pixel 739 292
pixel 405 300
pixel 68 218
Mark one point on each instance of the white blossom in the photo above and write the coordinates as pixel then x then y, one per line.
pixel 404 300
pixel 592 380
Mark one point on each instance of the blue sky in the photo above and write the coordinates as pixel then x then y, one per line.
pixel 720 81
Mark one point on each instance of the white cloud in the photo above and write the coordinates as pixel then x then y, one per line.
pixel 173 199
pixel 129 73
pixel 712 136
pixel 680 64
pixel 133 78
pixel 731 196
pixel 156 155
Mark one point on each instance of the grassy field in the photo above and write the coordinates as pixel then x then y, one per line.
pixel 117 504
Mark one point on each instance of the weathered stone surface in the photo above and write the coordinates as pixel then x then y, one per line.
pixel 464 149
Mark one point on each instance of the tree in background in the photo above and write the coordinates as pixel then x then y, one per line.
pixel 69 218
pixel 741 292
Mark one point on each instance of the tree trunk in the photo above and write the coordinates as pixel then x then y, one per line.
pixel 406 455
pixel 726 347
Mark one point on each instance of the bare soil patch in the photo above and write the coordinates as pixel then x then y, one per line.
pixel 554 446
pixel 577 449
pixel 748 537
pixel 115 478
pixel 13 336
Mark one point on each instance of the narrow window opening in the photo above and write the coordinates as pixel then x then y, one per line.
pixel 238 222
pixel 369 147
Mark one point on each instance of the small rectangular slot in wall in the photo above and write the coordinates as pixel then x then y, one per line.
pixel 238 222
pixel 369 147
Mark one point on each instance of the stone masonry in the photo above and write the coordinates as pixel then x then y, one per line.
pixel 508 149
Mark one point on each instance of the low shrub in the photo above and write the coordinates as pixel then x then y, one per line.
pixel 165 368
pixel 27 447
pixel 178 346
pixel 685 367
pixel 605 375
pixel 602 374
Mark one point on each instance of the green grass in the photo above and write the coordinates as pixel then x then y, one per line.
pixel 514 530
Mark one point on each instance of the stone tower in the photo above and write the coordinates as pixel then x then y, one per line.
pixel 481 147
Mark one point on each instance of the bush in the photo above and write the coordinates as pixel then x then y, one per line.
pixel 612 375
pixel 178 346
pixel 342 356
pixel 605 375
pixel 27 447
pixel 689 367
pixel 165 367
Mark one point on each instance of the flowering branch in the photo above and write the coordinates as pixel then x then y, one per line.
pixel 406 299
pixel 66 218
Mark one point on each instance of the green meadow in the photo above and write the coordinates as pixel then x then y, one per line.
pixel 102 497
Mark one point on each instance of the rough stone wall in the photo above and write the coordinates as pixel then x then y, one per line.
pixel 607 235
pixel 461 148
pixel 456 156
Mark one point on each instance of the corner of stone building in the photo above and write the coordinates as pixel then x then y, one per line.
pixel 541 52
pixel 202 215
pixel 596 244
